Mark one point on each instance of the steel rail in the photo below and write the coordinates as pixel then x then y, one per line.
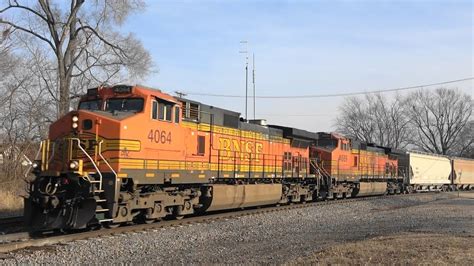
pixel 10 222
pixel 24 240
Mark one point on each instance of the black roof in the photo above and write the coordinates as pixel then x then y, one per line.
pixel 290 132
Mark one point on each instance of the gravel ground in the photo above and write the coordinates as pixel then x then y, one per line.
pixel 400 249
pixel 277 237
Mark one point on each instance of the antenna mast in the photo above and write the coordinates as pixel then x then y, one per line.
pixel 253 79
pixel 246 74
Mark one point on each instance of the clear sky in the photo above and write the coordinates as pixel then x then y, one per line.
pixel 305 47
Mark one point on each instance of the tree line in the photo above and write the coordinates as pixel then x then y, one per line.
pixel 436 121
pixel 50 53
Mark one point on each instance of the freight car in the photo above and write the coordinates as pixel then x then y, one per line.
pixel 462 173
pixel 432 172
pixel 135 154
pixel 426 171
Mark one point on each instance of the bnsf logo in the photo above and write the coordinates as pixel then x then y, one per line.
pixel 230 148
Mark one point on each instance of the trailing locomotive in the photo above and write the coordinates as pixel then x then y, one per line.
pixel 356 168
pixel 131 153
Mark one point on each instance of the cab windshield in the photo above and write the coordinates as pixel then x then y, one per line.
pixel 124 105
pixel 327 143
pixel 93 105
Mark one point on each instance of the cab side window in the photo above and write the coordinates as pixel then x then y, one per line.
pixel 201 145
pixel 168 108
pixel 154 110
pixel 161 110
pixel 176 114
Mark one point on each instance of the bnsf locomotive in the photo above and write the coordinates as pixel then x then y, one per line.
pixel 135 154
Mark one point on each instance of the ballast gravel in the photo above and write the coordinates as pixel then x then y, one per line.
pixel 268 238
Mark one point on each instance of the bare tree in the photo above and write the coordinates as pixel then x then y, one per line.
pixel 374 119
pixel 354 120
pixel 25 109
pixel 465 146
pixel 81 39
pixel 438 119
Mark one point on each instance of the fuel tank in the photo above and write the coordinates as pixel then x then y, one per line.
pixel 372 188
pixel 222 197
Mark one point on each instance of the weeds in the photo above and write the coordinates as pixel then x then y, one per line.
pixel 11 200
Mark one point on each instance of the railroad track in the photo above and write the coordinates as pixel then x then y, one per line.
pixel 11 222
pixel 21 240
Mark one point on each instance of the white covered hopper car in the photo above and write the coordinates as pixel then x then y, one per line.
pixel 424 172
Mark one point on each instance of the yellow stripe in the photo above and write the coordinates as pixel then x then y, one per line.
pixel 120 144
pixel 183 165
pixel 151 164
pixel 122 175
pixel 233 132
pixel 150 175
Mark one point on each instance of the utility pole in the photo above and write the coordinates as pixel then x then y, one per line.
pixel 246 74
pixel 180 94
pixel 253 79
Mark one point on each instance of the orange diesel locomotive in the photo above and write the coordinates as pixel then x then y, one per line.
pixel 356 168
pixel 130 153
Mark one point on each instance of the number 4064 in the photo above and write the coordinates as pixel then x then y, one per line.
pixel 158 136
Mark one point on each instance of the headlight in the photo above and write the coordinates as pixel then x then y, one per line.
pixel 74 125
pixel 73 165
pixel 75 118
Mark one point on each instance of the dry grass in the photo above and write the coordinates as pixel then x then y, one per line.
pixel 11 202
pixel 404 249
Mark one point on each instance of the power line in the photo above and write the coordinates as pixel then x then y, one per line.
pixel 296 115
pixel 332 94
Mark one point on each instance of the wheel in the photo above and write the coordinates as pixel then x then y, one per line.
pixel 149 221
pixel 177 212
pixel 111 225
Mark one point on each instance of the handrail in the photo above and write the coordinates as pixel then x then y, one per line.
pixel 90 158
pixel 53 152
pixel 36 158
pixel 320 169
pixel 106 162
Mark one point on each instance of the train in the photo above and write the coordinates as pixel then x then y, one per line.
pixel 133 154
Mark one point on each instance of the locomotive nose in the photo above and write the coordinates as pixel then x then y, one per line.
pixel 64 126
pixel 83 122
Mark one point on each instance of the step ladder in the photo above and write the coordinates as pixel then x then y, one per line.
pixel 321 171
pixel 96 181
pixel 101 211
